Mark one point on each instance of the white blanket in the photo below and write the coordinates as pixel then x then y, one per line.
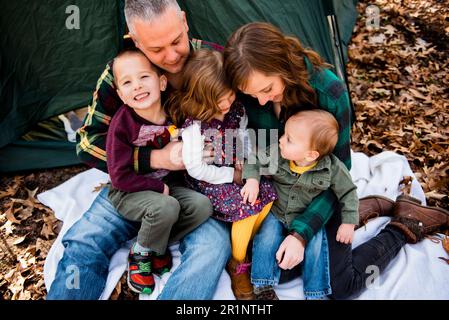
pixel 415 273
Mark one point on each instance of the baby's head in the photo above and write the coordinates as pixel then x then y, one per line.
pixel 139 83
pixel 206 90
pixel 309 136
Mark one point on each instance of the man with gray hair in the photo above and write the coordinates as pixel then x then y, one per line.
pixel 159 29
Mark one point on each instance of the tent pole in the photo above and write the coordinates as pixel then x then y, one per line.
pixel 338 52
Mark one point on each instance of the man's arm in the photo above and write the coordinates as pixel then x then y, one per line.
pixel 91 137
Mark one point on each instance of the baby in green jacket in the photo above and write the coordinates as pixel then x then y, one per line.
pixel 305 167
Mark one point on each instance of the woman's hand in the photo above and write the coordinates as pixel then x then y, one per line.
pixel 290 253
pixel 250 191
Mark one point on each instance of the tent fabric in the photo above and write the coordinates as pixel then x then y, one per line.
pixel 48 69
pixel 24 155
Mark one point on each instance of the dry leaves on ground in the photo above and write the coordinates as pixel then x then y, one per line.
pixel 400 88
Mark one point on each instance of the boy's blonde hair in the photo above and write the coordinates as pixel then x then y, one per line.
pixel 204 83
pixel 323 130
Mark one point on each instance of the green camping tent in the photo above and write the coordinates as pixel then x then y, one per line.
pixel 50 63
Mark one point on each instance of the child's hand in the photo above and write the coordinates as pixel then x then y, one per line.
pixel 250 191
pixel 166 190
pixel 290 253
pixel 345 233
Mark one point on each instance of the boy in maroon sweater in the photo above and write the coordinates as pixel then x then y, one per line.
pixel 148 199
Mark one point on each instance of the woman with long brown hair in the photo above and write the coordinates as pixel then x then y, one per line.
pixel 262 62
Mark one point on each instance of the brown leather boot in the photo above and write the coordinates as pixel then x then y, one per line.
pixel 371 207
pixel 240 279
pixel 416 220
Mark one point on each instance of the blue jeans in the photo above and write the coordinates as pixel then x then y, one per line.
pixel 89 245
pixel 204 254
pixel 101 231
pixel 265 270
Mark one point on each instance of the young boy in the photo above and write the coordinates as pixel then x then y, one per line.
pixel 305 168
pixel 141 122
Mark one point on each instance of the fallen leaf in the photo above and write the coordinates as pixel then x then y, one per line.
pixel 419 95
pixel 377 39
pixel 445 244
pixel 99 187
pixel 8 227
pixel 19 240
pixel 24 213
pixel 435 195
pixel 10 214
pixel 10 191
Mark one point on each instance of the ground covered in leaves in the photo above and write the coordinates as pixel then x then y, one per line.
pixel 400 89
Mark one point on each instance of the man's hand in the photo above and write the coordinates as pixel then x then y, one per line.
pixel 345 233
pixel 168 158
pixel 290 253
pixel 166 190
pixel 250 191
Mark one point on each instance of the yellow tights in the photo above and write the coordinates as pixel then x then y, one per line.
pixel 244 230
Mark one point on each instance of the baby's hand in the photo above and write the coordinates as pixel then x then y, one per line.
pixel 250 191
pixel 345 233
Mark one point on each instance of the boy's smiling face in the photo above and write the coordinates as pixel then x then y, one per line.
pixel 138 83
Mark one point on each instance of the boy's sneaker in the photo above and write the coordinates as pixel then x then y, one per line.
pixel 161 263
pixel 140 278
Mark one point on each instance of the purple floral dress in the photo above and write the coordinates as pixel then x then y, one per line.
pixel 226 198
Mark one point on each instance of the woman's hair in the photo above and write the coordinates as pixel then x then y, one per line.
pixel 264 48
pixel 203 84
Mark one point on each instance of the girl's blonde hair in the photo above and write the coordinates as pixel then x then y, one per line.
pixel 204 83
pixel 262 47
